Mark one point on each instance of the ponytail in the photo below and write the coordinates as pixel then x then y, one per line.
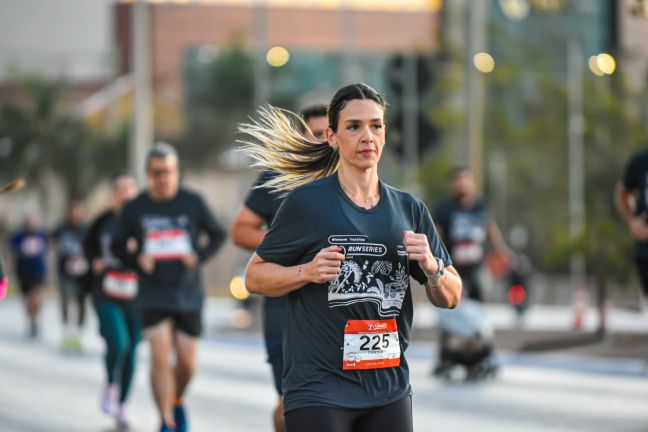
pixel 275 143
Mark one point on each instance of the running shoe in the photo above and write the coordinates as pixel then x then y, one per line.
pixel 109 399
pixel 122 416
pixel 72 344
pixel 180 416
pixel 166 428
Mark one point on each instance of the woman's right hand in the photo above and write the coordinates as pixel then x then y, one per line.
pixel 325 266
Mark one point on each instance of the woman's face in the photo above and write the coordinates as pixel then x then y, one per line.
pixel 360 134
pixel 124 189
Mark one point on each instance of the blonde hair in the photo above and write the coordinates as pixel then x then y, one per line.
pixel 275 143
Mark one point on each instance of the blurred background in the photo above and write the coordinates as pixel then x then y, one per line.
pixel 544 100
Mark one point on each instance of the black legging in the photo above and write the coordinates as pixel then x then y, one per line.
pixel 395 417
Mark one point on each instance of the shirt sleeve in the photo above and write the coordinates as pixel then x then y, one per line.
pixel 92 240
pixel 441 216
pixel 259 199
pixel 426 226
pixel 125 229
pixel 215 232
pixel 287 241
pixel 630 178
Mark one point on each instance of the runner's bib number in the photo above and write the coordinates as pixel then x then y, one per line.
pixel 371 344
pixel 168 245
pixel 465 253
pixel 120 285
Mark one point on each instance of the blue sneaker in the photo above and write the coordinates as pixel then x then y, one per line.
pixel 166 428
pixel 180 416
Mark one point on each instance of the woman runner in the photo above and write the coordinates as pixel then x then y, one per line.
pixel 113 294
pixel 343 247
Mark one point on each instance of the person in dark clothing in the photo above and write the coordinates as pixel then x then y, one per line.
pixel 250 226
pixel 168 222
pixel 343 246
pixel 114 288
pixel 632 204
pixel 466 226
pixel 72 274
pixel 29 248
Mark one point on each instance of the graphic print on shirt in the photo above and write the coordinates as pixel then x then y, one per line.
pixel 468 235
pixel 32 246
pixel 166 237
pixel 368 275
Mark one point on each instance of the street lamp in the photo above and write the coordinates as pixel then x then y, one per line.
pixel 484 62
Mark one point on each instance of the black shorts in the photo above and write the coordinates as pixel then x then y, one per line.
pixel 30 285
pixel 186 322
pixel 642 268
pixel 395 417
pixel 274 348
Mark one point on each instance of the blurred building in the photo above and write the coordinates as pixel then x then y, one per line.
pixel 633 39
pixel 184 35
pixel 67 41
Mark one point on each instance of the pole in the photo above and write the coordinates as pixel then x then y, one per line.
pixel 410 119
pixel 260 73
pixel 576 158
pixel 142 117
pixel 475 91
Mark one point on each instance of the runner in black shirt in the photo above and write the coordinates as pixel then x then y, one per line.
pixel 167 222
pixel 632 203
pixel 466 226
pixel 114 288
pixel 72 274
pixel 343 248
pixel 249 228
pixel 29 248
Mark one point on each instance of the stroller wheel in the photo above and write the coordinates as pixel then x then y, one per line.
pixel 443 370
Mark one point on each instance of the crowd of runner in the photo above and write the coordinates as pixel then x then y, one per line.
pixel 335 250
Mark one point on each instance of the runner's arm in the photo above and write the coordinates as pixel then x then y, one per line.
pixel 248 229
pixel 125 229
pixel 215 234
pixel 273 280
pixel 624 200
pixel 445 293
pixel 497 240
pixel 91 242
pixel 625 203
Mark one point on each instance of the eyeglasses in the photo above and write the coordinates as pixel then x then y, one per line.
pixel 160 172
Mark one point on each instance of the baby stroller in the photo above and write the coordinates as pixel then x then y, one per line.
pixel 466 342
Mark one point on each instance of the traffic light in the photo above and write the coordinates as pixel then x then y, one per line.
pixel 518 290
pixel 397 75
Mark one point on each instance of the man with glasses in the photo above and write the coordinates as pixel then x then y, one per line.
pixel 168 222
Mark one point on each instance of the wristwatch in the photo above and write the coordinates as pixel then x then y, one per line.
pixel 440 272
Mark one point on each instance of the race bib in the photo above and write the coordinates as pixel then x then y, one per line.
pixel 76 266
pixel 120 285
pixel 32 246
pixel 168 244
pixel 371 344
pixel 466 253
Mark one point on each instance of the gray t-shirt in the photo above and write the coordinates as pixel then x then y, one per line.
pixel 373 284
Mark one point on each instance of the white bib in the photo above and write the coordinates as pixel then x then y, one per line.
pixel 170 244
pixel 120 285
pixel 467 253
pixel 371 344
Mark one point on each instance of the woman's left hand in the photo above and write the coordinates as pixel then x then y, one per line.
pixel 418 249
